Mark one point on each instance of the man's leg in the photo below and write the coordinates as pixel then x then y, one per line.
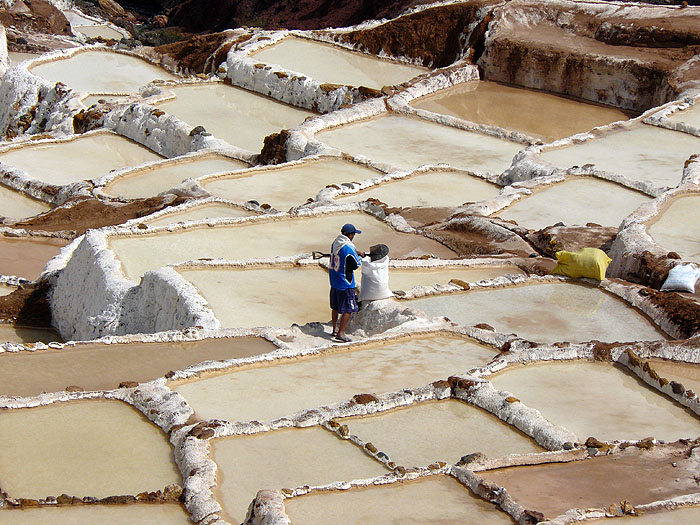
pixel 334 317
pixel 344 319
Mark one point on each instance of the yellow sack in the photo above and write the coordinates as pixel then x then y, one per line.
pixel 588 262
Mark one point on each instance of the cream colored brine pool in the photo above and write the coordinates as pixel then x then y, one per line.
pixel 27 257
pixel 263 297
pixel 168 174
pixel 690 116
pixel 677 227
pixel 536 113
pixel 239 117
pixel 213 210
pixel 123 452
pixel 329 63
pixel 84 158
pixel 604 401
pixel 6 290
pixel 575 201
pixel 101 72
pixel 406 142
pixel 545 313
pixel 679 516
pixel 643 153
pixel 20 334
pixel 441 188
pixel 103 367
pixel 16 57
pixel 287 186
pixel 99 30
pixel 332 377
pixel 16 205
pixel 438 499
pixel 263 239
pixel 439 431
pixel 143 514
pixel 688 374
pixel 284 459
pixel 405 279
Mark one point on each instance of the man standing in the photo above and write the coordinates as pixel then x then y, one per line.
pixel 344 261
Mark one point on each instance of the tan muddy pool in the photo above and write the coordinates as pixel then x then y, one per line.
pixel 22 334
pixel 123 451
pixel 284 459
pixel 437 499
pixel 211 210
pixel 143 514
pixel 690 116
pixel 688 374
pixel 605 401
pixel 677 228
pixel 27 257
pixel 263 239
pixel 269 391
pixel 406 278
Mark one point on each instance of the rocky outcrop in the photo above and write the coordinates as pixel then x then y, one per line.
pixel 201 53
pixel 35 16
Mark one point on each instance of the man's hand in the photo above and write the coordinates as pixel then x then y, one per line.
pixel 362 254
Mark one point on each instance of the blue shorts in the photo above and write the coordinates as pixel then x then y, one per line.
pixel 343 301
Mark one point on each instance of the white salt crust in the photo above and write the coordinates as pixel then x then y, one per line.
pixel 660 118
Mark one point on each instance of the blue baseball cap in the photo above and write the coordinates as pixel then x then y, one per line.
pixel 348 229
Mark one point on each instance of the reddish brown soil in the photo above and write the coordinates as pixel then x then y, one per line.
pixel 572 238
pixel 682 310
pixel 468 241
pixel 193 53
pixel 35 16
pixel 27 306
pixel 94 213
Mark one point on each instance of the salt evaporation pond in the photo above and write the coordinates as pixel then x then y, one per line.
pixel 437 499
pixel 98 366
pixel 331 378
pixel 411 142
pixel 688 374
pixel 122 451
pixel 419 435
pixel 263 239
pixel 689 116
pixel 284 459
pixel 545 313
pixel 84 158
pixel 17 205
pixel 677 227
pixel 538 114
pixel 286 186
pixel 246 298
pixel 101 72
pixel 15 57
pixel 439 188
pixel 604 401
pixel 642 153
pixel 211 210
pixel 160 177
pixel 21 334
pixel 575 201
pixel 27 257
pixel 554 488
pixel 143 514
pixel 329 63
pixel 678 516
pixel 99 30
pixel 405 278
pixel 6 290
pixel 94 99
pixel 241 118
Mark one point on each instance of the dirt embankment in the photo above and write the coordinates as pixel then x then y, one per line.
pixel 35 16
pixel 192 54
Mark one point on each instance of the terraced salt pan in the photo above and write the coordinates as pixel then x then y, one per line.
pixel 405 279
pixel 410 142
pixel 27 257
pixel 247 298
pixel 167 514
pixel 287 186
pixel 239 117
pixel 438 499
pixel 212 210
pixel 265 239
pixel 161 177
pixel 99 30
pixel 331 378
pixel 575 201
pixel 439 431
pixel 103 367
pixel 681 516
pixel 122 451
pixel 690 116
pixel 16 57
pixel 284 459
pixel 18 334
pixel 84 158
pixel 643 153
pixel 101 72
pixel 94 99
pixel 677 228
pixel 545 313
pixel 16 205
pixel 688 374
pixel 604 401
pixel 536 113
pixel 441 188
pixel 6 290
pixel 329 63
pixel 554 488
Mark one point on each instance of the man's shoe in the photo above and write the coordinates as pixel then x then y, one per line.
pixel 342 338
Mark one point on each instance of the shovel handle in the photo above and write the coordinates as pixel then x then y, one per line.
pixel 319 255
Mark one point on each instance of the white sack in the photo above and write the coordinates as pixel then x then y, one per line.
pixel 681 278
pixel 375 279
